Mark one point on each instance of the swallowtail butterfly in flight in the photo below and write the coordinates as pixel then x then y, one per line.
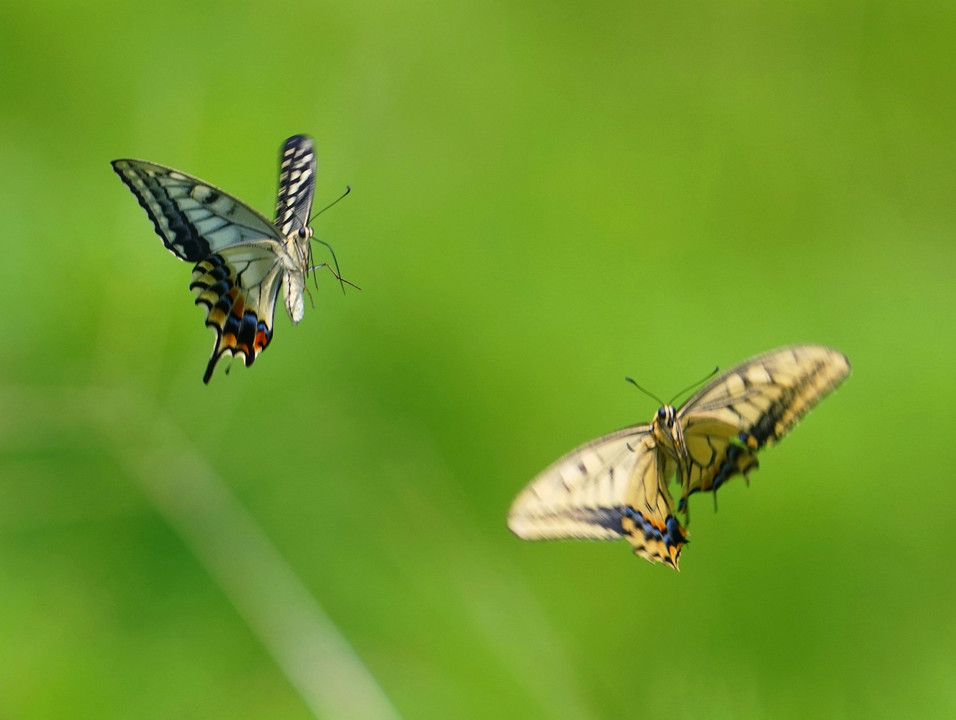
pixel 617 485
pixel 241 259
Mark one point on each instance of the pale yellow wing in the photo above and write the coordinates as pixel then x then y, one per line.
pixel 752 405
pixel 609 488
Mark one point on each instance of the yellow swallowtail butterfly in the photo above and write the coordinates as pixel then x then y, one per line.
pixel 617 485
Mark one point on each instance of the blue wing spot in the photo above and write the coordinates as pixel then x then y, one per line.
pixel 219 272
pixel 221 287
pixel 224 304
pixel 671 536
pixel 727 467
pixel 609 518
pixel 231 326
pixel 674 534
pixel 247 333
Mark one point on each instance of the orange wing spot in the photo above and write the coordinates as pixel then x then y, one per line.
pixel 230 326
pixel 230 312
pixel 238 303
pixel 673 552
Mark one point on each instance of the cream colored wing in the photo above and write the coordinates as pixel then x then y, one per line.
pixel 296 184
pixel 751 405
pixel 193 218
pixel 610 488
pixel 238 287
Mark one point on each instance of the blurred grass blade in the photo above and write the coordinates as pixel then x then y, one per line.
pixel 280 610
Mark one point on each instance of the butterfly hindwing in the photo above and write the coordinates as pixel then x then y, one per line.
pixel 238 287
pixel 606 489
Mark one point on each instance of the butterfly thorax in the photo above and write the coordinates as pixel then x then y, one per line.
pixel 296 246
pixel 669 437
pixel 295 266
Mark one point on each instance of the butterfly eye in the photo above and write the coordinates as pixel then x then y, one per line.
pixel 661 413
pixel 301 233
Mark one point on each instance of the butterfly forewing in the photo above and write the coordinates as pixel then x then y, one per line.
pixel 752 405
pixel 296 184
pixel 606 489
pixel 580 495
pixel 194 218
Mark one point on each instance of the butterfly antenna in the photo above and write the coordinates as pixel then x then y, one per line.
pixel 308 264
pixel 694 385
pixel 649 394
pixel 335 260
pixel 338 275
pixel 309 293
pixel 348 189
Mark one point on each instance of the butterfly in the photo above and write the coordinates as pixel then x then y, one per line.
pixel 241 259
pixel 617 485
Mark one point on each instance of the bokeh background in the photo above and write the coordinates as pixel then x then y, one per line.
pixel 547 196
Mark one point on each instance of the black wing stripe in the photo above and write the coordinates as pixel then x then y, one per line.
pixel 179 234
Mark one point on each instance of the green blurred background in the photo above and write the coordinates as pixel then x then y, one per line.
pixel 546 197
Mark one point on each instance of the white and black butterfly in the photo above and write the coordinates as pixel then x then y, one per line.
pixel 241 259
pixel 617 486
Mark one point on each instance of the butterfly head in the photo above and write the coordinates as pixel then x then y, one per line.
pixel 669 435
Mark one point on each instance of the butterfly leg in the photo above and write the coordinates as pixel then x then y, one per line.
pixel 334 274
